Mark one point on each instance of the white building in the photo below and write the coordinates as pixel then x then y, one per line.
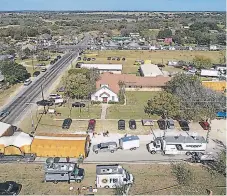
pixel 113 68
pixel 104 94
pixel 209 73
pixel 213 47
pixel 150 70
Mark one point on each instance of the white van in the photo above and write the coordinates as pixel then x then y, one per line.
pixel 55 96
pixel 27 82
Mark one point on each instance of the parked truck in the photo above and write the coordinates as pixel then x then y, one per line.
pixel 62 172
pixel 129 142
pixel 112 176
pixel 178 145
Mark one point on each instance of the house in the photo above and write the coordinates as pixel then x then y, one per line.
pixel 150 70
pixel 113 68
pixel 105 94
pixel 209 73
pixel 131 82
pixel 168 40
pixel 134 35
pixel 45 36
pixel 219 86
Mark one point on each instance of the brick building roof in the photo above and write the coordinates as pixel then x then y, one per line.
pixel 112 81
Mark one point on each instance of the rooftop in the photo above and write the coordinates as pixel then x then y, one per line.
pixel 112 81
pixel 150 70
pixel 108 169
pixel 185 139
pixel 3 128
pixel 103 66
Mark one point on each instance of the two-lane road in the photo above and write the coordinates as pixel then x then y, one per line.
pixel 19 105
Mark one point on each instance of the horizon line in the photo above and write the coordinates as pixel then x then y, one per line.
pixel 33 10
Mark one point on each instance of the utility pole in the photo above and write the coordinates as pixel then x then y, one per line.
pixel 43 99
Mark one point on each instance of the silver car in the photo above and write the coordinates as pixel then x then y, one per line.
pixel 105 147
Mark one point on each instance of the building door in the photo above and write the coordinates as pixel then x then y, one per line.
pixel 104 100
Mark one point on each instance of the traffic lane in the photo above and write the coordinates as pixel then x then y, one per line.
pixel 140 154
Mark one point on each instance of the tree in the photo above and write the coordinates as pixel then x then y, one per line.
pixel 165 33
pixel 13 72
pixel 182 173
pixel 196 102
pixel 162 103
pixel 42 57
pixel 27 51
pixel 202 62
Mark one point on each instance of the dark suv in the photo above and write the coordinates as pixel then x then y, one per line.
pixel 121 125
pixel 10 188
pixel 162 124
pixel 67 123
pixel 132 124
pixel 78 104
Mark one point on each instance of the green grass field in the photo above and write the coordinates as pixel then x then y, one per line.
pixel 134 108
pixel 155 57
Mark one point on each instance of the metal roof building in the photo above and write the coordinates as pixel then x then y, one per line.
pixel 114 68
pixel 150 70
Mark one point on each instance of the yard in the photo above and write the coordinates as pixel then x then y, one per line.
pixel 155 179
pixel 134 108
pixel 155 57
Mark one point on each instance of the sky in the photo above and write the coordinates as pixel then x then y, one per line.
pixel 109 5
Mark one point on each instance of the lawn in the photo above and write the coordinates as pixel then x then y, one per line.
pixel 134 109
pixel 155 179
pixel 155 56
pixel 8 93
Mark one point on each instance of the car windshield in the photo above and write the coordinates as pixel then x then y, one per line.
pixel 99 145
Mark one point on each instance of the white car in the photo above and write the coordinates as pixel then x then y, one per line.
pixel 55 96
pixel 27 82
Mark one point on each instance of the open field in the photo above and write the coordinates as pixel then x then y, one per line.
pixel 134 108
pixel 154 56
pixel 149 180
pixel 6 94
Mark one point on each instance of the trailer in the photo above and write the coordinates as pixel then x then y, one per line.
pixel 178 145
pixel 203 158
pixel 129 142
pixel 112 176
pixel 62 172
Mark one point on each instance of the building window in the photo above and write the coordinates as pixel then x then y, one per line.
pixel 113 98
pixel 96 98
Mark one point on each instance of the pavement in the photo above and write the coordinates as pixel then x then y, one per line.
pixel 104 110
pixel 21 103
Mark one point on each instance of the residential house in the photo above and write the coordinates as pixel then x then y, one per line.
pixel 105 94
pixel 168 40
pixel 113 68
pixel 150 70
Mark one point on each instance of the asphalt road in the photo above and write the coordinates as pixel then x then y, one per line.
pixel 20 104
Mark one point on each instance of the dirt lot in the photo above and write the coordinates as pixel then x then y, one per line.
pixel 149 180
pixel 154 56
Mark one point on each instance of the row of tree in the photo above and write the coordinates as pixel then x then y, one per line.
pixel 185 97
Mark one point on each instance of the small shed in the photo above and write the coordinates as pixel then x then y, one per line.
pixel 147 122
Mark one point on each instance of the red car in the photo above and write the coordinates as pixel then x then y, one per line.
pixel 205 125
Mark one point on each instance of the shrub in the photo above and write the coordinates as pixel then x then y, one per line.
pixel 112 102
pixel 95 102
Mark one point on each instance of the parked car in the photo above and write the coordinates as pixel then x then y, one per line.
pixel 27 82
pixel 67 123
pixel 93 59
pixel 88 59
pixel 108 58
pixel 45 103
pixel 4 113
pixel 10 188
pixel 78 104
pixel 55 96
pixel 61 89
pixel 58 57
pixel 184 125
pixel 118 59
pixel 170 123
pixel 105 147
pixel 132 124
pixel 36 73
pixel 91 125
pixel 44 69
pixel 205 125
pixel 121 125
pixel 79 58
pixel 123 59
pixel 162 124
pixel 85 58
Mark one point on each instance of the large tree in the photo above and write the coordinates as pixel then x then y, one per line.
pixel 13 72
pixel 163 103
pixel 196 102
pixel 165 33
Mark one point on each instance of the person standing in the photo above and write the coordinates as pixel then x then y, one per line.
pixel 67 159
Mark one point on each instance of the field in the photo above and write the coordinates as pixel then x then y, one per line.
pixel 149 180
pixel 155 56
pixel 134 108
